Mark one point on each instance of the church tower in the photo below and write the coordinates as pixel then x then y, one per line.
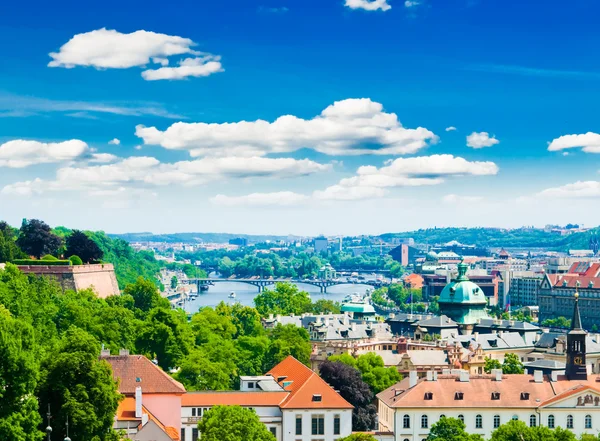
pixel 576 368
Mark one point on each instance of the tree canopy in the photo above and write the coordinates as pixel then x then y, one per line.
pixel 451 429
pixel 372 369
pixel 36 238
pixel 233 423
pixel 79 244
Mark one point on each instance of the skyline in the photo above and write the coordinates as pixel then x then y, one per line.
pixel 361 118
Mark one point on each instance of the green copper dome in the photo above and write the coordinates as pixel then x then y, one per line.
pixel 462 300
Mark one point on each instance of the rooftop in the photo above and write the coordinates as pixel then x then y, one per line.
pixel 237 398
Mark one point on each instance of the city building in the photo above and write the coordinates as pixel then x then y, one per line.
pixel 556 293
pixel 321 244
pixel 239 241
pixel 434 283
pixel 291 400
pixel 413 280
pixel 151 409
pixel 484 402
pixel 327 272
pixel 518 287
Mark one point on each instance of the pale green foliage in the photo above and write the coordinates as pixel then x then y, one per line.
pixel 233 423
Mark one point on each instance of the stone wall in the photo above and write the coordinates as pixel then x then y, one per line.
pixel 100 277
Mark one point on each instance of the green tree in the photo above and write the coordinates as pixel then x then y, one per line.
pixel 512 364
pixel 174 282
pixel 233 423
pixel 359 437
pixel 36 238
pixel 145 295
pixel 79 244
pixel 78 385
pixel 491 363
pixel 8 246
pixel 450 429
pixel 288 340
pixel 372 369
pixel 285 299
pixel 18 375
pixel 325 306
pixel 198 372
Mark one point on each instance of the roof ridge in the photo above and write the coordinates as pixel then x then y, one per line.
pixel 159 369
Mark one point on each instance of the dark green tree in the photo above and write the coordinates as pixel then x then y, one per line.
pixel 145 295
pixel 19 369
pixel 324 306
pixel 78 385
pixel 233 423
pixel 8 246
pixel 285 299
pixel 36 239
pixel 79 244
pixel 174 282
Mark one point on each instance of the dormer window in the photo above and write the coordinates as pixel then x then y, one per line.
pixel 495 395
pixel 428 396
pixel 524 396
pixel 317 398
pixel 251 385
pixel 280 379
pixel 458 396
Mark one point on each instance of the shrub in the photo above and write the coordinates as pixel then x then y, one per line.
pixel 49 258
pixel 75 260
pixel 31 262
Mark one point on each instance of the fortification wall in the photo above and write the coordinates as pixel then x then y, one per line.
pixel 100 277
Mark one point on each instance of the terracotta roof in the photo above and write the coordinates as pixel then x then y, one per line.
pixel 572 279
pixel 136 370
pixel 254 399
pixel 477 392
pixel 126 410
pixel 307 389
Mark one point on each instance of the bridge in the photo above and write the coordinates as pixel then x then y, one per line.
pixel 261 284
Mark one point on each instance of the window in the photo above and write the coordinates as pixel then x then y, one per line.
pixel 182 436
pixel 550 421
pixel 524 395
pixel 461 418
pixel 193 411
pixel 424 422
pixel 496 421
pixel 251 385
pixel 515 418
pixel 532 421
pixel 569 421
pixel 478 422
pixel 298 424
pixel 458 396
pixel 406 422
pixel 273 431
pixel 495 395
pixel 428 395
pixel 336 425
pixel 318 425
pixel 316 397
pixel 194 434
pixel 588 421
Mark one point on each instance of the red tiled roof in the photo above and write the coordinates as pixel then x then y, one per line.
pixel 570 392
pixel 572 279
pixel 305 385
pixel 136 370
pixel 253 399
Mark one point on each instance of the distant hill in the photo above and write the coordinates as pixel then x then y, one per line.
pixel 195 237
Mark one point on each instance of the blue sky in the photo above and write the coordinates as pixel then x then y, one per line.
pixel 301 117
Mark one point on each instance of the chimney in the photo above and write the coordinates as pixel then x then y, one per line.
pixel 475 335
pixel 392 315
pixel 123 352
pixel 538 376
pixel 429 375
pixel 464 376
pixel 412 378
pixel 326 321
pixel 497 373
pixel 346 319
pixel 554 376
pixel 445 371
pixel 270 316
pixel 138 402
pixel 105 353
pixel 279 317
pixel 435 375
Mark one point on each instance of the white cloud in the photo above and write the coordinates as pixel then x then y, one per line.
pixel 579 189
pixel 411 3
pixel 103 158
pixel 348 127
pixel 458 199
pixel 371 181
pixel 190 67
pixel 368 5
pixel 589 142
pixel 110 49
pixel 281 198
pixel 481 140
pixel 450 129
pixel 115 141
pixel 148 171
pixel 21 153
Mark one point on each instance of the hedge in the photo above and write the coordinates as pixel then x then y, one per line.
pixel 32 262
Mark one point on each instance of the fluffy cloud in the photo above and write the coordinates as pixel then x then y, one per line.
pixel 457 199
pixel 103 158
pixel 450 129
pixel 579 189
pixel 110 49
pixel 368 5
pixel 481 140
pixel 21 153
pixel 281 198
pixel 589 142
pixel 190 67
pixel 411 3
pixel 348 127
pixel 371 181
pixel 115 141
pixel 148 171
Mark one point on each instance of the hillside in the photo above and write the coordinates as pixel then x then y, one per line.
pixel 194 237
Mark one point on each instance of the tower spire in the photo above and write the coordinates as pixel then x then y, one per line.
pixel 576 321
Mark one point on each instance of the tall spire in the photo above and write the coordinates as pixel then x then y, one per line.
pixel 576 321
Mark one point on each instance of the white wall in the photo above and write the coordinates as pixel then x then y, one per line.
pixel 289 424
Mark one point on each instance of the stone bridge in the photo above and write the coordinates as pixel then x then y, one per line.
pixel 262 283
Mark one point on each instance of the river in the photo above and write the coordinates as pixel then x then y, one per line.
pixel 245 294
